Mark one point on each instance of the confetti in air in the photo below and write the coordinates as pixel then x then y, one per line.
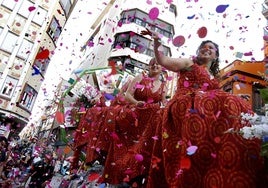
pixel 153 13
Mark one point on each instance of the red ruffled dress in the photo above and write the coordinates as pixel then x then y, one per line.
pixel 194 149
pixel 109 132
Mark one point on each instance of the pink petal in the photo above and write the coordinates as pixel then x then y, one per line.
pixel 31 8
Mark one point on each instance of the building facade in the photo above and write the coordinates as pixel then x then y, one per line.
pixel 265 37
pixel 116 35
pixel 29 30
pixel 245 79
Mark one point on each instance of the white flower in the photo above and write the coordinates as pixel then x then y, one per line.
pixel 84 88
pixel 246 132
pixel 255 126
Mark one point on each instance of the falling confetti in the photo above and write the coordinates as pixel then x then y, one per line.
pixel 32 8
pixel 153 13
pixel 221 8
pixel 186 83
pixel 248 54
pixel 178 41
pixel 169 1
pixel 213 155
pixel 191 150
pixel 190 17
pixel 218 114
pixel 109 96
pixel 138 157
pixel 202 32
pixel 149 2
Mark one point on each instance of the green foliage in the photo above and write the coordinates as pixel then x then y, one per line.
pixel 63 135
pixel 264 95
pixel 264 149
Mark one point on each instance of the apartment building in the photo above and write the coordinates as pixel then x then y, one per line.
pixel 116 36
pixel 29 30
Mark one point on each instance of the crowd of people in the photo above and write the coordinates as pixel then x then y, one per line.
pixel 39 163
pixel 26 163
pixel 144 140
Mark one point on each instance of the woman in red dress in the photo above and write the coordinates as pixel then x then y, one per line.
pixel 194 150
pixel 109 132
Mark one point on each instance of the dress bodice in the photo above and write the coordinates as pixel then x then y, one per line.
pixel 144 91
pixel 196 78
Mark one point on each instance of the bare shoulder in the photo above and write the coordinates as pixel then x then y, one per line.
pixel 137 78
pixel 183 63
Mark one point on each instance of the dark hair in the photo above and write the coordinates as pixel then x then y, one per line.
pixel 152 60
pixel 214 68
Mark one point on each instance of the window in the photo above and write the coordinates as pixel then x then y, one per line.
pixel 46 3
pixel 130 64
pixel 9 42
pixel 137 42
pixel 25 49
pixel 3 61
pixel 9 4
pixel 24 8
pixel 28 97
pixel 228 87
pixel 9 87
pixel 166 50
pixel 257 102
pixel 18 65
pixel 18 24
pixel 141 18
pixel 66 5
pixel 40 16
pixel 54 29
pixel 139 22
pixel 32 32
pixel 4 15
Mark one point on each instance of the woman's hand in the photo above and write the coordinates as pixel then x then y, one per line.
pixel 146 32
pixel 154 35
pixel 151 33
pixel 140 104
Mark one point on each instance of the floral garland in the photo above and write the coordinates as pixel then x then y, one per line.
pixel 255 127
